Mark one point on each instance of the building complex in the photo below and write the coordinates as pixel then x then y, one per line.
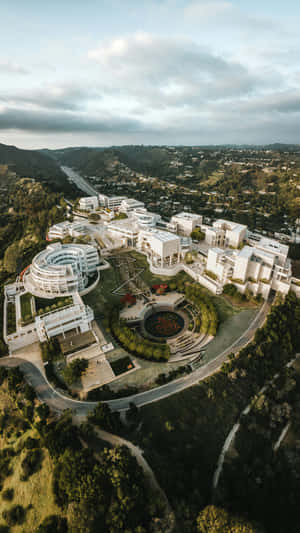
pixel 61 269
pixel 228 254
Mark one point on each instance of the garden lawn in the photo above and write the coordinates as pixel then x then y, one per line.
pixel 102 294
pixel 42 303
pixel 153 279
pixel 26 311
pixel 36 492
pixel 121 365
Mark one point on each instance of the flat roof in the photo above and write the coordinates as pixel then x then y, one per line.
pixel 165 236
pixel 273 246
pixel 246 252
pixel 125 224
pixel 132 201
pixel 187 215
pixel 216 250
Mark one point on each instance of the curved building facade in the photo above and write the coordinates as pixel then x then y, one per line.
pixel 61 269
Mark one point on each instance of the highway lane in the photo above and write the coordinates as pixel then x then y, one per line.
pixel 79 181
pixel 59 402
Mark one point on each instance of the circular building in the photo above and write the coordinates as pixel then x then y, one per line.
pixel 61 269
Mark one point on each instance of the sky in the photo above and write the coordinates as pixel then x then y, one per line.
pixel 113 72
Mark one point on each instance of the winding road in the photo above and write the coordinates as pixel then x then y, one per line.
pixel 59 402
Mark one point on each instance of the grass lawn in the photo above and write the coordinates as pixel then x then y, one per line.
pixel 35 494
pixel 11 318
pixel 102 294
pixel 26 311
pixel 121 365
pixel 153 279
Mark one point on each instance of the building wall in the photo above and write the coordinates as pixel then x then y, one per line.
pixel 89 203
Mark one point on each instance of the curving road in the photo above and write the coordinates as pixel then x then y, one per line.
pixel 58 402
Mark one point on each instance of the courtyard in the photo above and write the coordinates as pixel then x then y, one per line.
pixel 233 321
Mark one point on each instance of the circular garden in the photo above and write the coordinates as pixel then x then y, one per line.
pixel 163 324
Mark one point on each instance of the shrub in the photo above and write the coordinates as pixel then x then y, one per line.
pixel 30 463
pixel 75 370
pixel 31 443
pixel 8 494
pixel 53 524
pixel 14 515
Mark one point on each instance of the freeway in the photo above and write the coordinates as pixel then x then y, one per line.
pixel 79 181
pixel 58 402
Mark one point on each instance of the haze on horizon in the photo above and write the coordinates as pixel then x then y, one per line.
pixel 157 72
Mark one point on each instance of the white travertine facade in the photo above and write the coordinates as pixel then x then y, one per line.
pixel 61 269
pixel 129 204
pixel 163 249
pixel 225 233
pixel 64 229
pixel 76 316
pixel 186 222
pixel 145 219
pixel 89 203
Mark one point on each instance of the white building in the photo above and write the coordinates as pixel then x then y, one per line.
pixel 145 219
pixel 163 249
pixel 129 204
pixel 224 233
pixel 124 230
pixel 186 222
pixel 76 316
pixel 103 200
pixel 89 203
pixel 114 202
pixel 273 247
pixel 111 202
pixel 64 229
pixel 61 269
pixel 250 268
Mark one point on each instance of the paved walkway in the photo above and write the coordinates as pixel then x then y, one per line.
pixel 138 453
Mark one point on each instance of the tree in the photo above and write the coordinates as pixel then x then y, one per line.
pixel 11 257
pixel 43 411
pixel 197 235
pixel 14 515
pixel 75 370
pixel 105 418
pixel 53 524
pixel 217 520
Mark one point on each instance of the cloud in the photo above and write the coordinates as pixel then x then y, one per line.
pixel 9 67
pixel 169 71
pixel 68 97
pixel 207 9
pixel 44 121
pixel 167 89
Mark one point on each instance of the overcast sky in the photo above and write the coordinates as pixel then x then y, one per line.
pixel 103 72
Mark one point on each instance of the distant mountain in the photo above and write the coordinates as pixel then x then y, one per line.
pixel 34 164
pixel 96 161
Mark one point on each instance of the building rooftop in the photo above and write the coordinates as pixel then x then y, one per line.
pixel 246 252
pixel 187 216
pixel 164 236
